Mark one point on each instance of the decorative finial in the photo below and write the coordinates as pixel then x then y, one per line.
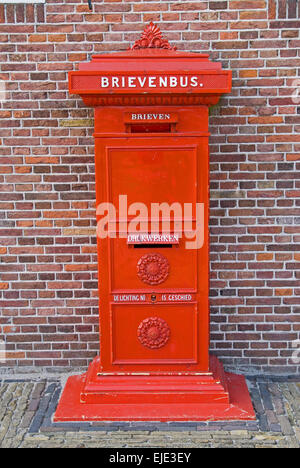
pixel 152 38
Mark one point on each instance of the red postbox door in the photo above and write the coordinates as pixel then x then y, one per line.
pixel 154 299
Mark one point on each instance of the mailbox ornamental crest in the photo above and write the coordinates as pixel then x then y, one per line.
pixel 152 38
pixel 152 177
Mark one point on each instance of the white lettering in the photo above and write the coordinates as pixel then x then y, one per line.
pixel 155 238
pixel 151 83
pixel 163 81
pixel 129 297
pixel 177 297
pixel 194 81
pixel 142 81
pixel 128 458
pixel 150 116
pixel 173 81
pixel 115 82
pixel 104 82
pixel 170 457
pixel 131 80
pixel 183 81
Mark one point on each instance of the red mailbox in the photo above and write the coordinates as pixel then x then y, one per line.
pixel 152 191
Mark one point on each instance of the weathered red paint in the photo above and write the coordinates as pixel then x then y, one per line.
pixel 151 144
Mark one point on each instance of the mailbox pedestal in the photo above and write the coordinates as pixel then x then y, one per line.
pixel 151 147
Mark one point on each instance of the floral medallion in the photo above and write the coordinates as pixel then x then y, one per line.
pixel 153 332
pixel 153 268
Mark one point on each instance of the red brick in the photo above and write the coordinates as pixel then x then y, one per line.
pixel 37 38
pixel 2 14
pixel 251 15
pixel 189 6
pixel 242 5
pixel 230 45
pixel 249 25
pixel 283 292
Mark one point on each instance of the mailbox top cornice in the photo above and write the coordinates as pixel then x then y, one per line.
pixel 151 59
pixel 152 72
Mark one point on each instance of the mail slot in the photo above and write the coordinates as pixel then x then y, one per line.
pixel 152 196
pixel 147 266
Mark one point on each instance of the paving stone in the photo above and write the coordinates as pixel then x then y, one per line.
pixel 271 417
pixel 27 419
pixel 266 397
pixel 279 406
pixel 240 434
pixel 256 401
pixel 275 427
pixel 26 410
pixel 38 390
pixel 294 443
pixel 285 425
pixel 263 423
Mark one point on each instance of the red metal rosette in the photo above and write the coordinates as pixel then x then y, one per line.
pixel 153 268
pixel 153 332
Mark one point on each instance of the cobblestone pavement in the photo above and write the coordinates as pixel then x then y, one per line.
pixel 26 409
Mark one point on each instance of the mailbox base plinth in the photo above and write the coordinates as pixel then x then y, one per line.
pixel 217 395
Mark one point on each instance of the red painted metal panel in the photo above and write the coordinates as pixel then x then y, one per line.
pixel 181 275
pixel 149 170
pixel 133 343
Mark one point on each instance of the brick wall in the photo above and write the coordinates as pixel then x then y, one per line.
pixel 48 285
